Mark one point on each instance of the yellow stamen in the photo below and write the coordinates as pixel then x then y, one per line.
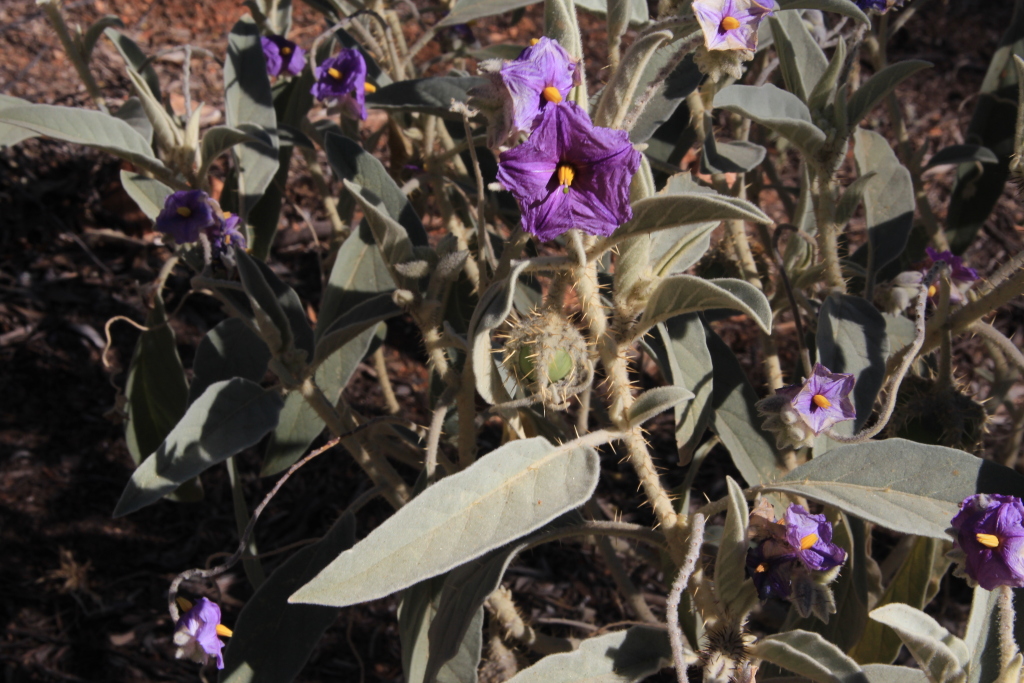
pixel 729 23
pixel 988 540
pixel 334 73
pixel 227 214
pixel 551 94
pixel 534 41
pixel 184 211
pixel 286 50
pixel 761 568
pixel 821 401
pixel 566 174
pixel 932 289
pixel 808 541
pixel 184 604
pixel 369 87
pixel 223 631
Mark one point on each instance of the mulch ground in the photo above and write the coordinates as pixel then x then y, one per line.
pixel 82 596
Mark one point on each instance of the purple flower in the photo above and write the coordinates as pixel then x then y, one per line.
pixel 770 566
pixel 570 174
pixel 824 399
pixel 196 632
pixel 880 6
pixel 226 234
pixel 343 77
pixel 185 214
pixel 991 535
pixel 543 74
pixel 810 536
pixel 283 56
pixel 730 24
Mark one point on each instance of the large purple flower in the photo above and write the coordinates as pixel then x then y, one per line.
pixel 730 24
pixel 185 214
pixel 824 399
pixel 991 535
pixel 343 77
pixel 196 632
pixel 810 537
pixel 570 174
pixel 283 56
pixel 543 74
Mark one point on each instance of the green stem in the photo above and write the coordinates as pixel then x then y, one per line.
pixel 828 231
pixel 52 9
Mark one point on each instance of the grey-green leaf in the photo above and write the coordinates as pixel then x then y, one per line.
pixel 901 485
pixel 775 109
pixel 880 85
pixel 808 655
pixel 467 10
pixel 735 592
pixel 349 326
pixel 676 249
pixel 656 401
pixel 801 60
pixel 417 617
pixel 618 96
pixel 492 309
pixel 935 649
pixel 888 198
pixel 231 349
pixel 228 418
pixel 272 638
pixel 665 211
pixel 620 657
pixel 690 366
pixel 681 294
pixel 962 154
pixel 502 496
pixel 133 113
pixel 148 193
pixel 432 95
pixel 845 7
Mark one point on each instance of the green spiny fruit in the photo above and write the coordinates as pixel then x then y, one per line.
pixel 944 417
pixel 545 339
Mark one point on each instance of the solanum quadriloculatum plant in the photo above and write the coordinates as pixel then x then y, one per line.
pixel 595 263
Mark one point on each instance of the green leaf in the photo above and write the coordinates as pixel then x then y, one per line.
pixel 730 157
pixel 900 485
pixel 690 366
pixel 135 60
pixel 86 127
pixel 676 249
pixel 220 139
pixel 228 418
pixel 620 657
pixel 883 673
pixel 845 7
pixel 776 110
pixel 299 424
pixel 656 401
pixel 888 198
pixel 268 311
pixel 11 134
pixel 229 350
pixel 619 96
pixel 247 99
pixel 735 592
pixel 349 326
pixel 825 89
pixel 272 638
pixel 502 496
pixel 853 195
pixel 133 113
pixel 432 95
pixel 417 617
pixel 358 275
pixel 938 652
pixel 351 162
pixel 800 58
pixel 95 30
pixel 665 211
pixel 465 11
pixel 912 585
pixel 962 154
pixel 494 307
pixel 681 294
pixel 149 194
pixel 878 86
pixel 808 655
pixel 734 418
pixel 983 634
pixel 666 99
pixel 851 339
pixel 391 237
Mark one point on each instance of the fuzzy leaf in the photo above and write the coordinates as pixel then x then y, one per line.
pixel 417 617
pixel 618 97
pixel 351 325
pixel 149 194
pixel 884 673
pixel 432 95
pixel 734 590
pixel 620 657
pixel 494 307
pixel 801 60
pixel 228 418
pixel 502 496
pixel 901 485
pixel 888 198
pixel 665 211
pixel 809 655
pixel 941 654
pixel 878 86
pixel 775 109
pixel 845 7
pixel 962 154
pixel 133 113
pixel 676 249
pixel 465 11
pixel 681 294
pixel 229 350
pixel 690 366
pixel 656 401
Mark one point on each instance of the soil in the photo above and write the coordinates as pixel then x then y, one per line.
pixel 82 595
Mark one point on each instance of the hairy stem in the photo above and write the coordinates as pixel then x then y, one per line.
pixel 675 632
pixel 828 231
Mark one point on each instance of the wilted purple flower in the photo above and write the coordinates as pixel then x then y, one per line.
pixel 283 56
pixel 543 74
pixel 959 274
pixel 810 536
pixel 196 632
pixel 730 24
pixel 226 234
pixel 880 6
pixel 824 399
pixel 770 565
pixel 570 174
pixel 185 214
pixel 991 535
pixel 343 77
